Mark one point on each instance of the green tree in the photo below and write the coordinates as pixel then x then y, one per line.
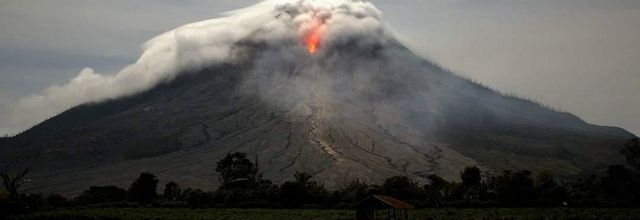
pixel 13 182
pixel 618 183
pixel 144 188
pixel 401 187
pixel 198 199
pixel 544 178
pixel 171 190
pixel 547 191
pixel 56 200
pixel 293 194
pixel 435 189
pixel 632 153
pixel 503 186
pixel 302 191
pixel 357 190
pixel 302 178
pixel 471 177
pixel 236 171
pixel 471 181
pixel 522 186
pixel 266 192
pixel 102 194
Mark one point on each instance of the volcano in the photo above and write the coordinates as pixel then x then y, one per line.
pixel 320 87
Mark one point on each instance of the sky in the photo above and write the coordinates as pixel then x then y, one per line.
pixel 579 56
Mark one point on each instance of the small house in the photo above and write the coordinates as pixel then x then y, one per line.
pixel 395 209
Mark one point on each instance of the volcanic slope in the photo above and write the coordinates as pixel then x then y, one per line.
pixel 353 103
pixel 355 112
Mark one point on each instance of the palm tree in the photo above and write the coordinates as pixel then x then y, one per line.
pixel 12 183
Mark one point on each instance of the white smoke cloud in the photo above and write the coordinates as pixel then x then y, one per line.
pixel 196 45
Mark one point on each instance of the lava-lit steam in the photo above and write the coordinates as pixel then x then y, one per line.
pixel 313 39
pixel 309 23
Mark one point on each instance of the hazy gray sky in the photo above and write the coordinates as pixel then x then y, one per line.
pixel 581 56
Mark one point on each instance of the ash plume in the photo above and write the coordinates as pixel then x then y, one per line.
pixel 211 42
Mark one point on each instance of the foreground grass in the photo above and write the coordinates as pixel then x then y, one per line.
pixel 268 214
pixel 182 213
pixel 527 214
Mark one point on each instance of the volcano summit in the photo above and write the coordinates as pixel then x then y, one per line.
pixel 316 86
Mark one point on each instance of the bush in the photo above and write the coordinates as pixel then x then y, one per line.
pixel 101 194
pixel 57 200
pixel 143 190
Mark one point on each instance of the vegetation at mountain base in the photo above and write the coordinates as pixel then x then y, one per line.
pixel 509 194
pixel 632 152
pixel 331 214
pixel 143 190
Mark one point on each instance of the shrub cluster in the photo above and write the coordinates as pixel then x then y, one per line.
pixel 243 187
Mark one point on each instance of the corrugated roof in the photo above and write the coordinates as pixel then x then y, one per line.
pixel 393 202
pixel 387 201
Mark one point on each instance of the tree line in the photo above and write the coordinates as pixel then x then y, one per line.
pixel 242 186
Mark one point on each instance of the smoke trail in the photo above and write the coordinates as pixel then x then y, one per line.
pixel 210 42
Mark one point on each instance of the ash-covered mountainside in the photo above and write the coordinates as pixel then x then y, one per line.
pixel 354 112
pixel 320 88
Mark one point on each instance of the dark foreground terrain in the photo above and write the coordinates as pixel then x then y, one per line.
pixel 444 213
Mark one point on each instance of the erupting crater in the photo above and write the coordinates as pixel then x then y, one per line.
pixel 312 40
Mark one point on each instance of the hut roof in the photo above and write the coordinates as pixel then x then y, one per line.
pixel 378 201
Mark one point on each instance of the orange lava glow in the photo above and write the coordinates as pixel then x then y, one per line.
pixel 313 39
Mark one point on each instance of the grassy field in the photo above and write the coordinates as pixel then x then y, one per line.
pixel 267 214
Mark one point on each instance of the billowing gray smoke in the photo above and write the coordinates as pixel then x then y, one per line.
pixel 211 42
